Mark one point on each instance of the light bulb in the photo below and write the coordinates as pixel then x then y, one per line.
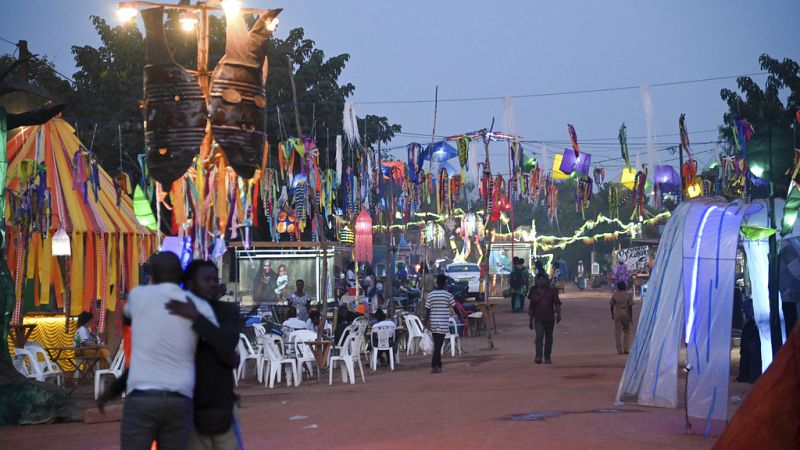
pixel 126 12
pixel 757 170
pixel 188 21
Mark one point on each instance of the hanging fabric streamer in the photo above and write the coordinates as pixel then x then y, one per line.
pixel 463 154
pixel 613 201
pixel 350 124
pixel 339 159
pixel 599 175
pixel 623 145
pixel 573 136
pixel 413 150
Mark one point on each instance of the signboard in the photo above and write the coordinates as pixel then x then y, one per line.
pixel 635 258
pixel 500 257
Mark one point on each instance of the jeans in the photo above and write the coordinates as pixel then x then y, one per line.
pixel 544 335
pixel 438 343
pixel 161 416
pixel 517 302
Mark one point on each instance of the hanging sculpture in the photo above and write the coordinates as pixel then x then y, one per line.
pixel 573 136
pixel 599 175
pixel 613 201
pixel 237 94
pixel 174 107
pixel 463 154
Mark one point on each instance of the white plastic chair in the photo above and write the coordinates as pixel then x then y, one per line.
pixel 452 339
pixel 415 332
pixel 22 362
pixel 276 362
pixel 259 330
pixel 38 370
pixel 246 353
pixel 115 370
pixel 48 368
pixel 302 351
pixel 382 338
pixel 350 354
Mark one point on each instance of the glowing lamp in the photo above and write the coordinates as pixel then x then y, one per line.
pixel 61 245
pixel 695 189
pixel 346 236
pixel 142 211
pixel 273 24
pixel 571 163
pixel 757 170
pixel 188 21
pixel 667 179
pixel 126 12
pixel 363 250
pixel 628 178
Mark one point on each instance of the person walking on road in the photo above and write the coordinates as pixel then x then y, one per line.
pixel 438 305
pixel 622 315
pixel 544 312
pixel 519 283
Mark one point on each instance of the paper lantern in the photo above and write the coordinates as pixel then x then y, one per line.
pixel 667 179
pixel 557 173
pixel 61 245
pixel 695 189
pixel 628 178
pixel 346 236
pixel 572 163
pixel 363 250
pixel 529 163
pixel 142 210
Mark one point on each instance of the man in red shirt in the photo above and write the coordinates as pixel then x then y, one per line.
pixel 544 312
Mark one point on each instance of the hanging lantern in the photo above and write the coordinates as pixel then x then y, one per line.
pixel 557 173
pixel 346 236
pixel 695 189
pixel 628 178
pixel 142 210
pixel 363 250
pixel 667 179
pixel 61 245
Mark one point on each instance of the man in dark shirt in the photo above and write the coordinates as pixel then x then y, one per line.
pixel 544 312
pixel 216 356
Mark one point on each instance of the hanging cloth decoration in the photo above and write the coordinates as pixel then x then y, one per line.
pixel 443 187
pixel 350 124
pixel 142 210
pixel 552 200
pixel 613 201
pixel 339 159
pixel 573 136
pixel 623 145
pixel 599 175
pixel 363 238
pixel 413 150
pixel 639 195
pixel 301 201
pixel 500 201
pixel 583 193
pixel 463 154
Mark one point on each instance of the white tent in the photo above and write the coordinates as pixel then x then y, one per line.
pixel 689 302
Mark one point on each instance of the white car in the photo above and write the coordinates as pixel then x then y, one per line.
pixel 471 273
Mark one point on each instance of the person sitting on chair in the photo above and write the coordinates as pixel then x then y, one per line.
pixel 312 324
pixel 292 321
pixel 84 338
pixel 382 321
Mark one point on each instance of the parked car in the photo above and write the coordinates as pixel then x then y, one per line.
pixel 471 273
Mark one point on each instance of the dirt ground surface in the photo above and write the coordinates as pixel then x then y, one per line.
pixel 480 400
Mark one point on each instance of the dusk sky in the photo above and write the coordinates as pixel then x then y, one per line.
pixel 402 50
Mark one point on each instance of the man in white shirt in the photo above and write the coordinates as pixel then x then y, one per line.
pixel 292 321
pixel 160 384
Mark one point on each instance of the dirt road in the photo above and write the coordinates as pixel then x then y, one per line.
pixel 483 399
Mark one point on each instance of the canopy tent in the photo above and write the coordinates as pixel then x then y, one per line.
pixel 689 302
pixel 107 243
